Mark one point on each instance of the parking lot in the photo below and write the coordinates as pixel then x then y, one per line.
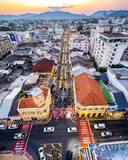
pixel 60 139
pixel 119 129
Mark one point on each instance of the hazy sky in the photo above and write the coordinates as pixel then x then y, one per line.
pixel 74 6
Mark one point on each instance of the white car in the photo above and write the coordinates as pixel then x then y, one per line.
pixel 3 126
pixel 71 129
pixel 99 126
pixel 49 129
pixel 106 134
pixel 41 153
pixel 13 126
pixel 20 135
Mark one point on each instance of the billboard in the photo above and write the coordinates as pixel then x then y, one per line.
pixel 12 36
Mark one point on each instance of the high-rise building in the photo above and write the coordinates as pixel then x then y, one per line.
pixel 107 44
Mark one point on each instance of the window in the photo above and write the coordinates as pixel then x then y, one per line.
pixel 38 112
pixel 31 112
pixel 45 110
pixel 24 113
pixel 26 118
pixel 41 117
pixel 96 109
pixel 116 45
pixel 84 109
pixel 90 109
pixel 39 96
pixel 102 109
pixel 78 108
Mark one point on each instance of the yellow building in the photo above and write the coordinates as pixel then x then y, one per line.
pixel 76 35
pixel 36 106
pixel 88 98
pixel 44 66
pixel 5 46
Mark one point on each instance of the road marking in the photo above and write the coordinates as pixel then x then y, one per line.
pixel 21 144
pixel 53 146
pixel 48 154
pixel 84 129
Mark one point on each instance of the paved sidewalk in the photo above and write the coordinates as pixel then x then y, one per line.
pixel 12 157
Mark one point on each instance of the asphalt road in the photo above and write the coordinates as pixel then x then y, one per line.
pixel 6 138
pixel 119 129
pixel 59 138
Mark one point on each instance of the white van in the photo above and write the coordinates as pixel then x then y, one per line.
pixel 3 126
pixel 99 126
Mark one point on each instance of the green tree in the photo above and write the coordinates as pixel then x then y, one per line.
pixel 14 69
pixel 79 28
pixel 102 69
pixel 116 66
pixel 30 68
pixel 21 95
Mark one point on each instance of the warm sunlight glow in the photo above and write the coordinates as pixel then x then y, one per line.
pixel 50 2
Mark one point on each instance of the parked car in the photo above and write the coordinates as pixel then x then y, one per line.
pixel 3 126
pixel 20 135
pixel 99 126
pixel 106 134
pixel 13 126
pixel 49 129
pixel 69 155
pixel 41 153
pixel 71 129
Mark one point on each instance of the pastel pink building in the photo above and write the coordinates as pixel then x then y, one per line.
pixel 82 45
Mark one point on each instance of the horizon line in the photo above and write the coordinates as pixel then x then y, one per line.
pixel 63 11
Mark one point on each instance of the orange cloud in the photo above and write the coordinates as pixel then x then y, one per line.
pixel 16 8
pixel 91 6
pixel 88 7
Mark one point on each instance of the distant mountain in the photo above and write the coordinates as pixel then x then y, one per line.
pixel 100 13
pixel 119 13
pixel 46 15
pixel 27 15
pixel 59 15
pixel 16 17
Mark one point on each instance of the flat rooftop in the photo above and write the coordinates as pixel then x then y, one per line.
pixel 114 35
pixel 110 151
pixel 122 72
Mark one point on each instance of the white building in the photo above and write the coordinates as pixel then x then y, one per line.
pixel 107 45
pixel 58 29
pixel 119 78
pixel 81 45
pixel 7 103
pixel 106 151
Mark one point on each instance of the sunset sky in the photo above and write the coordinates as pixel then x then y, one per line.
pixel 74 6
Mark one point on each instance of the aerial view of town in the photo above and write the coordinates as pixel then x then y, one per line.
pixel 64 80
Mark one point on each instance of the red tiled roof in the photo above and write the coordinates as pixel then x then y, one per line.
pixel 29 102
pixel 88 91
pixel 43 66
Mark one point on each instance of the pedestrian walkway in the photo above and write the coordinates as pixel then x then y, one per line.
pixel 85 133
pixel 20 145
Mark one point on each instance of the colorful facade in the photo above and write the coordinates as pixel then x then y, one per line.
pixel 44 66
pixel 88 98
pixel 5 46
pixel 36 106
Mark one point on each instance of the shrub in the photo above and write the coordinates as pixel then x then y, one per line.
pixel 101 69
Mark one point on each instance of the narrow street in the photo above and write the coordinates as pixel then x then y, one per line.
pixel 62 91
